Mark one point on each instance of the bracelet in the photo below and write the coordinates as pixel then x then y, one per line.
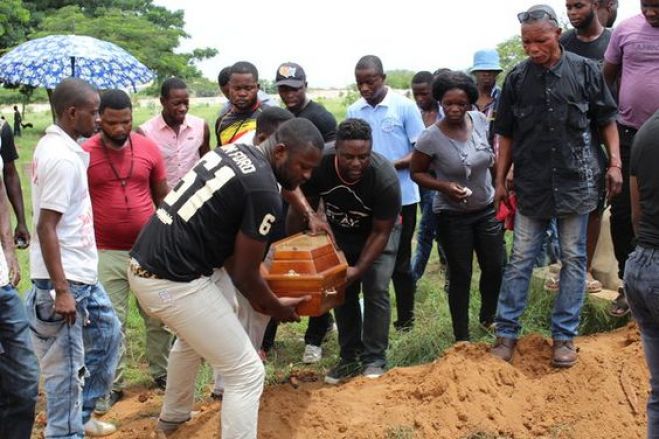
pixel 615 166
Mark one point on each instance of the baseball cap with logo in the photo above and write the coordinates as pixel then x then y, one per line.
pixel 291 75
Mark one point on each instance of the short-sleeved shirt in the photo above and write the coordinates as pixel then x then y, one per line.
pixel 59 183
pixel 396 124
pixel 635 45
pixel 588 49
pixel 351 208
pixel 193 231
pixel 548 113
pixel 643 165
pixel 321 118
pixel 180 151
pixel 230 127
pixel 7 145
pixel 120 211
pixel 466 163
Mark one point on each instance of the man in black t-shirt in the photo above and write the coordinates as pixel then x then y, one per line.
pixel 291 82
pixel 589 39
pixel 642 266
pixel 219 215
pixel 361 197
pixel 13 184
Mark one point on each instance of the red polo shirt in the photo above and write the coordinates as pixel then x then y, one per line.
pixel 120 212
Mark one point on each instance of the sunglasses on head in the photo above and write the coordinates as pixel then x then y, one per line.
pixel 538 14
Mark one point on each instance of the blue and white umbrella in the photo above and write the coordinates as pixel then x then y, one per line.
pixel 44 62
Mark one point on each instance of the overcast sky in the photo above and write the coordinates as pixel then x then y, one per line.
pixel 328 37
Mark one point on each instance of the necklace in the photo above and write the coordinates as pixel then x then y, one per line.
pixel 338 174
pixel 123 181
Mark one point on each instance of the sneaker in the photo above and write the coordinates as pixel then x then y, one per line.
pixel 105 403
pixel 96 428
pixel 312 354
pixel 342 371
pixel 373 372
pixel 161 382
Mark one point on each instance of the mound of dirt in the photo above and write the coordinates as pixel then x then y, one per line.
pixel 466 393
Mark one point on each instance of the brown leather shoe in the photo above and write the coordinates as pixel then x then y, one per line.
pixel 504 348
pixel 565 353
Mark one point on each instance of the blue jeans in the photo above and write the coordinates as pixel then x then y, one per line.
pixel 78 361
pixel 19 368
pixel 367 339
pixel 642 292
pixel 528 237
pixel 426 234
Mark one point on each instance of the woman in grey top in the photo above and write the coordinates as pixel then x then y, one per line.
pixel 457 149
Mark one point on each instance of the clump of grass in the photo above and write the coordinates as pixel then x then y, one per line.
pixel 400 432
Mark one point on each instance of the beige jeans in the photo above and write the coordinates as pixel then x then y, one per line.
pixel 207 327
pixel 253 321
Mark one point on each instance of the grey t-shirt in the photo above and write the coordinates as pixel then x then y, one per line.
pixel 466 163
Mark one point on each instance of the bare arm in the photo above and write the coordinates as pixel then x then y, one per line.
pixel 635 202
pixel 46 230
pixel 15 193
pixel 403 162
pixel 419 167
pixel 159 190
pixel 504 163
pixel 205 144
pixel 6 238
pixel 611 73
pixel 375 244
pixel 609 134
pixel 306 215
pixel 244 271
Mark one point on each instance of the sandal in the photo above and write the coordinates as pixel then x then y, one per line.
pixel 592 285
pixel 619 307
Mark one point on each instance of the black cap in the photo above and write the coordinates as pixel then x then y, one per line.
pixel 290 74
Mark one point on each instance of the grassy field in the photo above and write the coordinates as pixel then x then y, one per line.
pixel 429 338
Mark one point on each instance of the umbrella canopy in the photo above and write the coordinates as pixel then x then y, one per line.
pixel 44 62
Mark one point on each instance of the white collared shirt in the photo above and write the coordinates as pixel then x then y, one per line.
pixel 59 183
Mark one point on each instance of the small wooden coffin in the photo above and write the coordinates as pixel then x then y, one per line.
pixel 307 265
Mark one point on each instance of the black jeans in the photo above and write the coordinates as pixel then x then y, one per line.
pixel 315 334
pixel 403 278
pixel 622 233
pixel 460 235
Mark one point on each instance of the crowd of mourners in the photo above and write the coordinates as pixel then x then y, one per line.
pixel 156 212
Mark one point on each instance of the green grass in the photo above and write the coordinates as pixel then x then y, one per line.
pixel 431 335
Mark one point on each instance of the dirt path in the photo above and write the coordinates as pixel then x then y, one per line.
pixel 467 393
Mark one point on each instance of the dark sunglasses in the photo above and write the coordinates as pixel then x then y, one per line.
pixel 538 14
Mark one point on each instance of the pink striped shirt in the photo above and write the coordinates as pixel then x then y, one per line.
pixel 179 152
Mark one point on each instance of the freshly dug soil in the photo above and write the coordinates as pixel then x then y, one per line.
pixel 465 394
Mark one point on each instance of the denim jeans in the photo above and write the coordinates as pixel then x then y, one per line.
pixel 528 236
pixel 367 339
pixel 426 234
pixel 78 361
pixel 19 368
pixel 461 234
pixel 114 278
pixel 642 292
pixel 402 277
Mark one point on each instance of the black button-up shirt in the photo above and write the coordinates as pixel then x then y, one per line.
pixel 548 115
